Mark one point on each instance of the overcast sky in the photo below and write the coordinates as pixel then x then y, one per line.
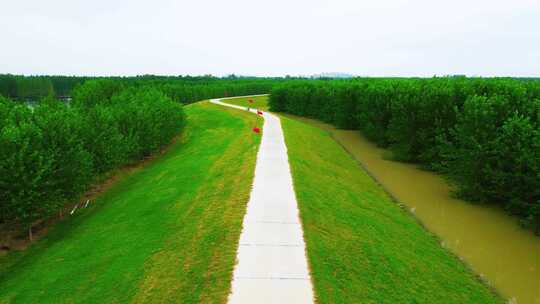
pixel 273 37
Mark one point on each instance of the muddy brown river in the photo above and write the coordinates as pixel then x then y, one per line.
pixel 491 242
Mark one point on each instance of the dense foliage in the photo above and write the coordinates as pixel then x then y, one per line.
pixel 191 89
pixel 185 89
pixel 36 87
pixel 51 153
pixel 484 133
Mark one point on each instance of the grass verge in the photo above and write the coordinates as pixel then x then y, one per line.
pixel 362 247
pixel 167 232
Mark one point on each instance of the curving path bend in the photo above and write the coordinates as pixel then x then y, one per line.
pixel 271 258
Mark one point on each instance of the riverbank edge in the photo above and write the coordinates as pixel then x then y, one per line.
pixel 401 205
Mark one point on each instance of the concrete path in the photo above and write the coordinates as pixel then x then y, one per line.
pixel 272 264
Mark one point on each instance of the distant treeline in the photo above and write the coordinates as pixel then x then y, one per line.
pixel 37 87
pixel 483 133
pixel 191 90
pixel 185 89
pixel 52 152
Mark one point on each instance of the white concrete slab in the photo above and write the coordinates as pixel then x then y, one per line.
pixel 272 233
pixel 272 265
pixel 271 212
pixel 271 262
pixel 274 291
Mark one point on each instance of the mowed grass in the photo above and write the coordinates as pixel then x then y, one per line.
pixel 165 233
pixel 361 246
pixel 259 102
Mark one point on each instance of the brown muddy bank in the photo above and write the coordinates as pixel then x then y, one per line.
pixel 491 242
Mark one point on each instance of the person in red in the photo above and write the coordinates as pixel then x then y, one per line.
pixel 256 130
pixel 259 112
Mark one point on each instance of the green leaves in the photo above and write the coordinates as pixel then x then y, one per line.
pixel 483 132
pixel 52 154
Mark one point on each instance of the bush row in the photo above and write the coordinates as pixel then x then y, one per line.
pixel 483 133
pixel 52 153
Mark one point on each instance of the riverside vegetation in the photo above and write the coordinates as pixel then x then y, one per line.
pixel 361 246
pixel 483 133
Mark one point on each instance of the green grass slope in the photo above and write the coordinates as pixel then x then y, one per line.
pixel 362 247
pixel 165 233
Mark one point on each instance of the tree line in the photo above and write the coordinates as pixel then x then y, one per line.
pixel 36 87
pixel 52 152
pixel 185 89
pixel 484 134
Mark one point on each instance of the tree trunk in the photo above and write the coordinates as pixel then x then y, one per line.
pixel 30 236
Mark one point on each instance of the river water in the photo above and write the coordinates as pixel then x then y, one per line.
pixel 491 242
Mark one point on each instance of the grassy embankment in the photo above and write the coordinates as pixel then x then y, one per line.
pixel 362 247
pixel 259 102
pixel 167 232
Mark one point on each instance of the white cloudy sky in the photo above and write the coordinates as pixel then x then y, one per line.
pixel 272 37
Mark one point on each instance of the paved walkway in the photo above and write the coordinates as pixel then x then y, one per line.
pixel 272 264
